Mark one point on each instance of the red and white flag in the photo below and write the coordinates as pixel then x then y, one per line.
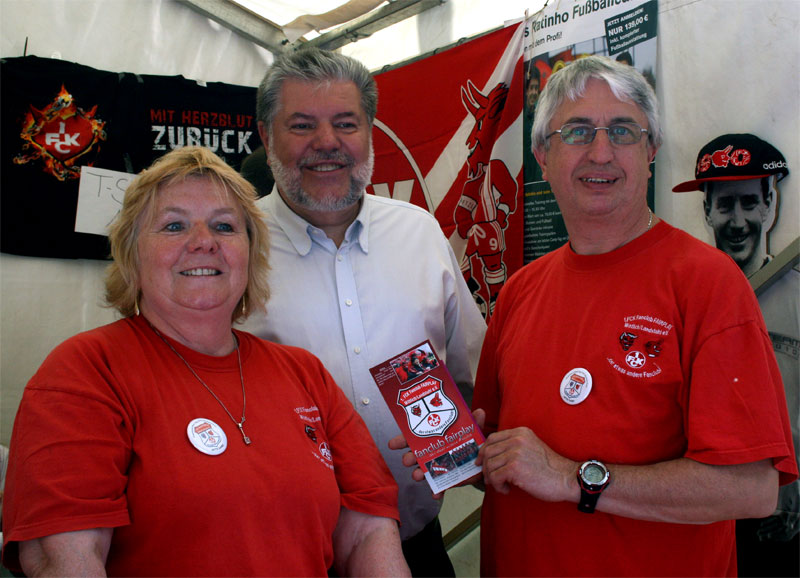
pixel 448 137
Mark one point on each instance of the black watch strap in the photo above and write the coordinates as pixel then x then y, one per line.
pixel 588 501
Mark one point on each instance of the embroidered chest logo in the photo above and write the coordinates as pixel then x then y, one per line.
pixel 640 344
pixel 310 421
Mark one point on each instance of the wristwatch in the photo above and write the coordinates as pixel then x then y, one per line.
pixel 593 477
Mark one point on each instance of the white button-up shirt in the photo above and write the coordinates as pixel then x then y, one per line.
pixel 391 284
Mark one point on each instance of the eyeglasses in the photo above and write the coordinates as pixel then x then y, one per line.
pixel 621 133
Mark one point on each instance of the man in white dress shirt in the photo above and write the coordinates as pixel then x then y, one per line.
pixel 355 278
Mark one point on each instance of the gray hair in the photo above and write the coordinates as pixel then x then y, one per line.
pixel 314 65
pixel 625 82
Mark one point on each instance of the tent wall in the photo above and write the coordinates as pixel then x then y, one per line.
pixel 45 301
pixel 724 66
pixel 727 66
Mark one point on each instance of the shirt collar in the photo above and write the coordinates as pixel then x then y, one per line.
pixel 298 230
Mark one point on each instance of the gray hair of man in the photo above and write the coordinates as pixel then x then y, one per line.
pixel 318 66
pixel 625 82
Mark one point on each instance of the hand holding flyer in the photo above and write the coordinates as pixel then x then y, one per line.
pixel 432 415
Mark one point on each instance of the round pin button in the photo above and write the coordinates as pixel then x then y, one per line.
pixel 576 385
pixel 206 436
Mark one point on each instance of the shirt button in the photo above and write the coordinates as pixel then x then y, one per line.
pixel 357 349
pixel 339 257
pixel 365 400
pixel 348 302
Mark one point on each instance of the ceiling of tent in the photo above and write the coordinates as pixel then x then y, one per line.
pixel 279 25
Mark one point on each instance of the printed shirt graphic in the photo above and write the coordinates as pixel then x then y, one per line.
pixel 640 345
pixel 58 116
pixel 59 135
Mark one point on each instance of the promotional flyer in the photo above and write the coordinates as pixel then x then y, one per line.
pixel 432 415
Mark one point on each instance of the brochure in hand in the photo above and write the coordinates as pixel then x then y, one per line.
pixel 432 415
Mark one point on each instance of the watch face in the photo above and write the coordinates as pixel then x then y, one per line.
pixel 594 474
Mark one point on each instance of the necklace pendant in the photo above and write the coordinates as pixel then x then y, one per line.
pixel 239 424
pixel 246 439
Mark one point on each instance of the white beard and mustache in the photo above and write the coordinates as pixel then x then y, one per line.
pixel 289 179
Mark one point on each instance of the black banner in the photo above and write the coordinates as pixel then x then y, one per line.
pixel 58 116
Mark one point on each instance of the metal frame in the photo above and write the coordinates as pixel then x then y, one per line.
pixel 269 35
pixel 772 271
pixel 248 25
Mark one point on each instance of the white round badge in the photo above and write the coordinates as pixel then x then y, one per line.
pixel 576 385
pixel 207 436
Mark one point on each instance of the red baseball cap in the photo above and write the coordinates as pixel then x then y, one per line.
pixel 735 157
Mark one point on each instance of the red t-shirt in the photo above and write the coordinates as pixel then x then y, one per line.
pixel 100 440
pixel 671 334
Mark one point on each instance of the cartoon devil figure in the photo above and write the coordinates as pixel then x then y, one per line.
pixel 488 197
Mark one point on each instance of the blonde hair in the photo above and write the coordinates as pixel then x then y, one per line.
pixel 122 276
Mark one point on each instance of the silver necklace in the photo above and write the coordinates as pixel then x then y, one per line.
pixel 650 220
pixel 239 424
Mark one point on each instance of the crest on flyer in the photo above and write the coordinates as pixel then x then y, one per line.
pixel 428 410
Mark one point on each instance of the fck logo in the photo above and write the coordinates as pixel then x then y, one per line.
pixel 60 141
pixel 60 136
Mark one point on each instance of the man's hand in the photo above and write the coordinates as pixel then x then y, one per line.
pixel 784 524
pixel 409 460
pixel 517 457
pixel 780 527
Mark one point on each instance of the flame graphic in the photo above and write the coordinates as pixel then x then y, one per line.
pixel 46 137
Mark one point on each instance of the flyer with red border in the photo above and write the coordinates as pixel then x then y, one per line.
pixel 432 415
